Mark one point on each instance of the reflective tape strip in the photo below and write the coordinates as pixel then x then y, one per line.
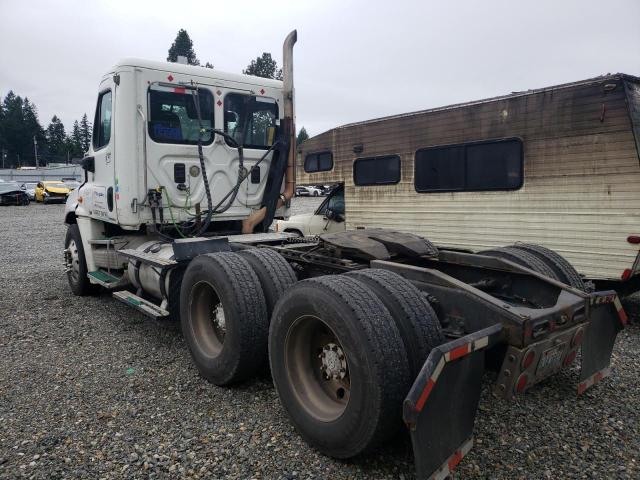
pixel 481 343
pixel 457 352
pixel 449 356
pixel 424 395
pixel 621 313
pixel 452 462
pixel 438 369
pixel 430 384
pixel 593 379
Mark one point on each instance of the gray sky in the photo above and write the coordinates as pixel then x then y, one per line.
pixel 354 60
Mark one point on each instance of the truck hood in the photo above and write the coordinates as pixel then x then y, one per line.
pixel 299 222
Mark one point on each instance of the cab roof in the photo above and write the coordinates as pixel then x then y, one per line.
pixel 195 71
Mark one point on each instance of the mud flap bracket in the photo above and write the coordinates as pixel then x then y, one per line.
pixel 441 406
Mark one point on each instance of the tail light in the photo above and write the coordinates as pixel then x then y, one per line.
pixel 635 239
pixel 528 359
pixel 521 384
pixel 626 274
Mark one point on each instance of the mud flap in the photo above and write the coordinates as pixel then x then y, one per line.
pixel 607 318
pixel 441 406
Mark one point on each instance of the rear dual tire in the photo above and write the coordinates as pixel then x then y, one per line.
pixel 224 317
pixel 541 260
pixel 373 329
pixel 340 317
pixel 560 266
pixel 226 300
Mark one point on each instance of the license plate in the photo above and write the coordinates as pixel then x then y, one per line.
pixel 551 361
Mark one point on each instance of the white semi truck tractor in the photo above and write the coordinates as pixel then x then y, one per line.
pixel 364 331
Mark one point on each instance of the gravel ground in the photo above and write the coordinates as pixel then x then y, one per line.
pixel 91 389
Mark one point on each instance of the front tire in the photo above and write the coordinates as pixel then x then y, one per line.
pixel 338 364
pixel 77 264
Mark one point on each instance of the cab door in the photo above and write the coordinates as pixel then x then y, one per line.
pixel 103 147
pixel 329 218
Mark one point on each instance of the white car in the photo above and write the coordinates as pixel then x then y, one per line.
pixel 30 189
pixel 328 218
pixel 308 192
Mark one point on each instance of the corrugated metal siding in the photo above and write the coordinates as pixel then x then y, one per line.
pixel 581 194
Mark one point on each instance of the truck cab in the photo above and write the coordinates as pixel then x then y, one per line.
pixel 158 124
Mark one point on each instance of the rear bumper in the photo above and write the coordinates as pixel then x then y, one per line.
pixel 441 406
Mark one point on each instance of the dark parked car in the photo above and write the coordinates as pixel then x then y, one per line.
pixel 12 194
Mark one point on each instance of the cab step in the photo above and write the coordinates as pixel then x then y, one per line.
pixel 107 280
pixel 145 306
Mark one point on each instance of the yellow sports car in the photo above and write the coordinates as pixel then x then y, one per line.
pixel 51 191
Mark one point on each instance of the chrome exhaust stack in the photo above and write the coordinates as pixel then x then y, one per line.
pixel 289 113
pixel 288 125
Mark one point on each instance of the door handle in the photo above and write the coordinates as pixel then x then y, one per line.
pixel 110 198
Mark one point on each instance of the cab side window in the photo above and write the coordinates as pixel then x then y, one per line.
pixel 102 122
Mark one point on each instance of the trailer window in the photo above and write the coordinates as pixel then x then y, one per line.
pixel 102 121
pixel 376 170
pixel 173 117
pixel 318 162
pixel 493 165
pixel 251 121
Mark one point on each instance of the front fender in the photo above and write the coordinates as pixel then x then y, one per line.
pixel 75 207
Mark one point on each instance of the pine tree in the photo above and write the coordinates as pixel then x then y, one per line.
pixel 265 67
pixel 302 136
pixel 56 138
pixel 3 142
pixel 85 133
pixel 75 139
pixel 183 46
pixel 34 131
pixel 13 127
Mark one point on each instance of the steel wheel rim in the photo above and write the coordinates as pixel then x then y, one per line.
pixel 317 368
pixel 207 319
pixel 74 257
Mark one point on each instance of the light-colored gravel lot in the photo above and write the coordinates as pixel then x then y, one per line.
pixel 91 389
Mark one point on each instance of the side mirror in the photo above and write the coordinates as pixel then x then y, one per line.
pixel 89 164
pixel 329 214
pixel 332 215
